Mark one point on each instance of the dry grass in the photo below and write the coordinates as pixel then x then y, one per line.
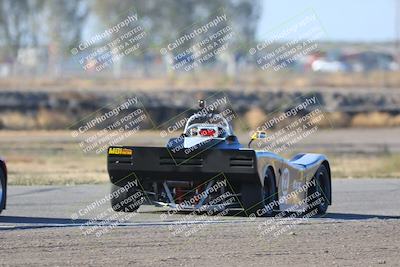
pixel 334 119
pixel 17 121
pixel 210 79
pixel 375 119
pixel 43 119
pixel 47 119
pixel 44 164
pixel 254 117
pixel 363 165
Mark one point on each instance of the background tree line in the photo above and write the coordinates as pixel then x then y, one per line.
pixel 62 24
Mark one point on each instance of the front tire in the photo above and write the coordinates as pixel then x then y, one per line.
pixel 125 200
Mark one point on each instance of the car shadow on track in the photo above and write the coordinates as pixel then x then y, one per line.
pixel 23 222
pixel 355 216
pixel 24 219
pixel 330 215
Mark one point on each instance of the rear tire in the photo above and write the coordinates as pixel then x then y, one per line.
pixel 125 200
pixel 270 193
pixel 252 198
pixel 255 198
pixel 322 190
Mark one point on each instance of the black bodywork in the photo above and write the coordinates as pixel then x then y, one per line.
pixel 156 164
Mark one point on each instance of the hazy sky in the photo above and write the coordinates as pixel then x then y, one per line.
pixel 348 20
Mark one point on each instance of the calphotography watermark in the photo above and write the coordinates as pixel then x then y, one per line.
pixel 296 206
pixel 290 44
pixel 206 203
pixel 199 44
pixel 99 217
pixel 110 125
pixel 287 126
pixel 105 48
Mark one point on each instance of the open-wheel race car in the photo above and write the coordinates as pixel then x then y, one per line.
pixel 206 165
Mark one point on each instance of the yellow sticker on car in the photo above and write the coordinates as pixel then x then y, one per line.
pixel 120 151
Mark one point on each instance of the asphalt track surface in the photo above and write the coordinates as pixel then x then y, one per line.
pixel 52 225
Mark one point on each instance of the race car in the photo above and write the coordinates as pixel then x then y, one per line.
pixel 207 168
pixel 3 185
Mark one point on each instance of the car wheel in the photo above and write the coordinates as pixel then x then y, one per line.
pixel 320 192
pixel 270 193
pixel 257 200
pixel 125 200
pixel 2 190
